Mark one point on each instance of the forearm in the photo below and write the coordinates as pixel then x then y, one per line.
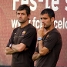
pixel 42 49
pixel 40 46
pixel 15 48
pixel 19 47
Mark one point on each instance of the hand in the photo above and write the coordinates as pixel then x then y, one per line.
pixel 41 32
pixel 35 56
pixel 8 50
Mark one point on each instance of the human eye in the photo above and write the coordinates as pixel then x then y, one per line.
pixel 18 13
pixel 41 18
pixel 22 14
pixel 44 18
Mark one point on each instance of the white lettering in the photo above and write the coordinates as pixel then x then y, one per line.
pixel 40 0
pixel 66 6
pixel 15 23
pixel 66 25
pixel 55 24
pixel 35 5
pixel 24 1
pixel 46 4
pixel 37 24
pixel 55 8
pixel 29 21
pixel 60 24
pixel 34 21
pixel 14 4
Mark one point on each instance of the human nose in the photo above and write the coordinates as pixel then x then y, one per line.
pixel 20 15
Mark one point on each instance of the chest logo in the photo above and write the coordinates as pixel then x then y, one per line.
pixel 23 33
pixel 47 36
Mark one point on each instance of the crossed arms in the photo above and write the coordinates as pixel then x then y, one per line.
pixel 42 51
pixel 15 48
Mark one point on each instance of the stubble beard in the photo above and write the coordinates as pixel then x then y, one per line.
pixel 47 27
pixel 21 22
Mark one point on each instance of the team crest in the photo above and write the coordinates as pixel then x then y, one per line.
pixel 23 32
pixel 47 36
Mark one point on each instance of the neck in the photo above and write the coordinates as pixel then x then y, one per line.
pixel 24 24
pixel 50 28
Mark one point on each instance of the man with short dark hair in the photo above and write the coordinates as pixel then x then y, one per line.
pixel 49 41
pixel 23 40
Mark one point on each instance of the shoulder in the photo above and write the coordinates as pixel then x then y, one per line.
pixel 55 33
pixel 31 28
pixel 15 29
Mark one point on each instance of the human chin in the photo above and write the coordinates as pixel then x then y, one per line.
pixel 47 27
pixel 21 22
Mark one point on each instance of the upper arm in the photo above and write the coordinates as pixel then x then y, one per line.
pixel 11 37
pixel 44 51
pixel 50 41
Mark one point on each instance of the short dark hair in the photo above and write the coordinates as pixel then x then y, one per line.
pixel 24 7
pixel 48 11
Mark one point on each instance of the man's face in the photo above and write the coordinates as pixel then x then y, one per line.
pixel 46 21
pixel 22 16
